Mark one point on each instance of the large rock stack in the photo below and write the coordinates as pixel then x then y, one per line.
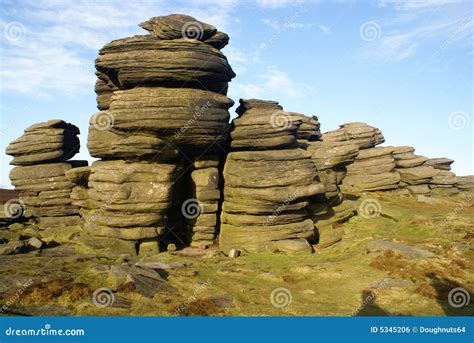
pixel 163 109
pixel 268 182
pixel 41 156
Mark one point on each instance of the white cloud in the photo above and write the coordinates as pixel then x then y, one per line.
pixel 289 24
pixel 272 23
pixel 324 29
pixel 271 84
pixel 61 38
pixel 417 24
pixel 279 3
pixel 416 4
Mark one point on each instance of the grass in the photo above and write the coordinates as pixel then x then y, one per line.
pixel 338 280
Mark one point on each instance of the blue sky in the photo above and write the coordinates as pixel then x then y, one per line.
pixel 405 67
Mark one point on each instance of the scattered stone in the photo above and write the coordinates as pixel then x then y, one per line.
pixel 35 243
pixel 294 246
pixel 234 253
pixel 162 265
pixel 12 247
pixel 391 283
pixel 400 248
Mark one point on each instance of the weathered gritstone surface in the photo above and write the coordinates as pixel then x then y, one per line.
pixel 189 118
pixel 465 183
pixel 127 201
pixel 372 170
pixel 202 203
pixel 441 163
pixel 263 125
pixel 45 191
pixel 177 26
pixel 361 134
pixel 265 196
pixel 41 155
pixel 51 141
pixel 162 101
pixel 144 59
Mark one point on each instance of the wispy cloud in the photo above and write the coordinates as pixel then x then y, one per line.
pixel 324 29
pixel 289 24
pixel 417 24
pixel 272 84
pixel 61 38
pixel 282 3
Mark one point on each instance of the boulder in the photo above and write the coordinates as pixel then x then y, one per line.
pixel 51 141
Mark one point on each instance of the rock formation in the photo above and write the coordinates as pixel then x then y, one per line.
pixel 161 129
pixel 268 182
pixel 172 172
pixel 41 157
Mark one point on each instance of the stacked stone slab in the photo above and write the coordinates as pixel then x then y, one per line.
pixel 268 182
pixel 162 107
pixel 41 157
pixel 361 134
pixel 373 167
pixel 444 180
pixel 372 170
pixel 441 163
pixel 200 209
pixel 465 183
pixel 332 207
pixel 414 174
pixel 126 206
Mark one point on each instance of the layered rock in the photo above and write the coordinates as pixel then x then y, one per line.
pixel 128 201
pixel 44 189
pixel 332 206
pixel 163 112
pixel 372 170
pixel 415 175
pixel 441 163
pixel 148 120
pixel 465 183
pixel 361 134
pixel 268 182
pixel 200 209
pixel 47 142
pixel 179 62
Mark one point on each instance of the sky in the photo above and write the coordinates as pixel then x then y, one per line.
pixel 405 67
